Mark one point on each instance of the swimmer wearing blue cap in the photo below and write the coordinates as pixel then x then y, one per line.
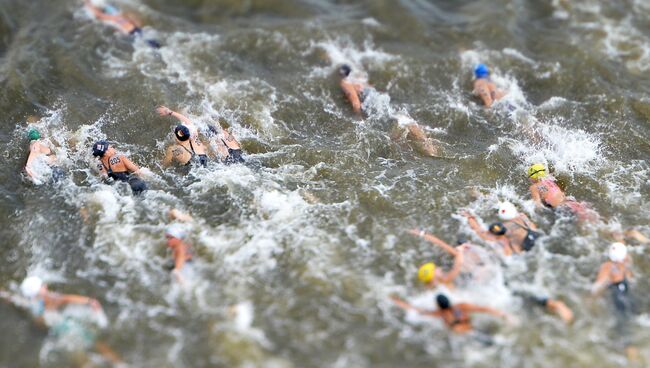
pixel 484 87
pixel 124 22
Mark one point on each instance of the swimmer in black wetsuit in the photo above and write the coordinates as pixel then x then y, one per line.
pixel 118 167
pixel 227 147
pixel 456 317
pixel 615 275
pixel 127 24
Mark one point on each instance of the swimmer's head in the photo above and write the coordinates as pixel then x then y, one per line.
pixel 345 70
pixel 507 211
pixel 617 252
pixel 31 286
pixel 100 148
pixel 461 240
pixel 537 171
pixel 110 10
pixel 182 133
pixel 175 231
pixel 498 229
pixel 442 301
pixel 427 272
pixel 33 135
pixel 481 71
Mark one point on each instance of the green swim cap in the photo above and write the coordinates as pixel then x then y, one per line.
pixel 33 135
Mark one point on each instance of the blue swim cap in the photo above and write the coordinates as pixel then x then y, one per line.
pixel 481 71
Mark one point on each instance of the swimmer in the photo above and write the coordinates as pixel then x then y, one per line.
pixel 40 150
pixel 181 251
pixel 355 90
pixel 547 193
pixel 484 87
pixel 227 147
pixel 515 226
pixel 456 317
pixel 118 167
pixel 615 275
pixel 432 276
pixel 495 234
pixel 415 132
pixel 46 307
pixel 123 22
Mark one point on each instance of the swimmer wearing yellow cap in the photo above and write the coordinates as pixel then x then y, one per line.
pixel 428 273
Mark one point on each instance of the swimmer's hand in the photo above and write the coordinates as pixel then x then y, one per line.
pixel 164 110
pixel 94 304
pixel 30 172
pixel 175 214
pixel 466 214
pixel 417 232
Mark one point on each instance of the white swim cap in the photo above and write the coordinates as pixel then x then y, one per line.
pixel 507 211
pixel 176 231
pixel 31 286
pixel 617 252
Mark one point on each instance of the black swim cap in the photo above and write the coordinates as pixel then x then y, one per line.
pixel 443 302
pixel 182 133
pixel 497 228
pixel 345 70
pixel 461 240
pixel 99 148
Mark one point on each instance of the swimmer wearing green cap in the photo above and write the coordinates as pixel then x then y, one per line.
pixel 40 150
pixel 484 88
pixel 38 299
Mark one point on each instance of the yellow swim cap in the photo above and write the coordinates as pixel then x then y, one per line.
pixel 427 272
pixel 537 171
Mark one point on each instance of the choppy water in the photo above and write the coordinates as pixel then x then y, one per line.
pixel 309 236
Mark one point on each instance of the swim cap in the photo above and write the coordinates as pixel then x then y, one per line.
pixel 617 252
pixel 345 70
pixel 537 171
pixel 175 231
pixel 426 272
pixel 461 240
pixel 497 228
pixel 443 302
pixel 481 71
pixel 110 10
pixel 507 211
pixel 182 133
pixel 31 286
pixel 99 148
pixel 33 135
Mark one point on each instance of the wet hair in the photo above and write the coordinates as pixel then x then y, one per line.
pixel 443 302
pixel 345 70
pixel 182 133
pixel 497 228
pixel 461 240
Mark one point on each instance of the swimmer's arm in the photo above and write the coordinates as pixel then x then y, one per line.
pixel 33 153
pixel 133 168
pixel 179 258
pixel 484 93
pixel 455 270
pixel 164 111
pixel 470 308
pixel 404 305
pixel 601 280
pixel 169 156
pixel 433 239
pixel 534 193
pixel 479 230
pixel 56 301
pixel 176 214
pixel 352 96
pixel 102 170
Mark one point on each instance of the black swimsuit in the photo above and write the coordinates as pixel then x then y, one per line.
pixel 531 235
pixel 137 185
pixel 234 155
pixel 201 158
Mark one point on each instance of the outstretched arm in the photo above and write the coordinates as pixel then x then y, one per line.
pixel 404 305
pixel 471 308
pixel 478 229
pixel 601 280
pixel 33 153
pixel 455 270
pixel 433 239
pixel 534 193
pixel 165 111
pixel 55 301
